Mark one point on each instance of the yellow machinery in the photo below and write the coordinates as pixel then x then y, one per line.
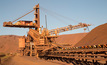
pixel 39 41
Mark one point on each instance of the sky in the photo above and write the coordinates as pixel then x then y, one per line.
pixel 60 13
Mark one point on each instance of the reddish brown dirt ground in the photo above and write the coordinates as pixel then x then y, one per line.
pixel 97 36
pixel 9 43
pixel 27 60
pixel 71 39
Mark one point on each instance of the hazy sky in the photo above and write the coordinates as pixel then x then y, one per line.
pixel 86 11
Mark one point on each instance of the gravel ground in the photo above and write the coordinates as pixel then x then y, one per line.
pixel 26 60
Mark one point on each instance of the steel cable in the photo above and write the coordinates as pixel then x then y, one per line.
pixel 23 15
pixel 56 14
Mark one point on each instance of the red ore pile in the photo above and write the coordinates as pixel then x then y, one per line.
pixel 97 36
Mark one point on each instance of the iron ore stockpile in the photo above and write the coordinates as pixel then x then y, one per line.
pixel 9 43
pixel 70 39
pixel 97 36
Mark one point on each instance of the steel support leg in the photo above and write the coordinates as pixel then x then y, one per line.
pixel 0 61
pixel 106 63
pixel 31 50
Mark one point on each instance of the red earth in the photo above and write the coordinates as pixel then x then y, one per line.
pixel 9 43
pixel 27 60
pixel 97 36
pixel 70 39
